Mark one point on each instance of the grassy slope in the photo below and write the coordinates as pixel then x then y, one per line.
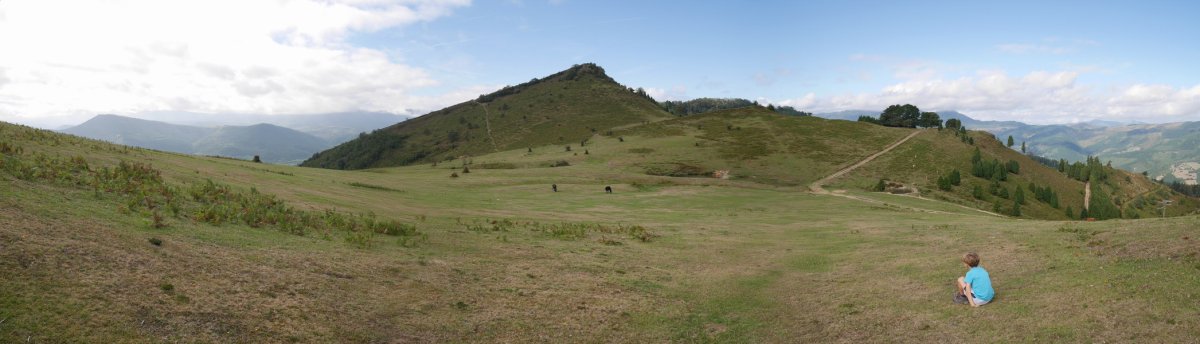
pixel 733 262
pixel 759 145
pixel 935 153
pixel 562 108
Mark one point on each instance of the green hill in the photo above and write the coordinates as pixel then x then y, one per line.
pixel 935 154
pixel 753 144
pixel 563 108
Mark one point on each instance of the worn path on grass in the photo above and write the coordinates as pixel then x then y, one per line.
pixel 818 188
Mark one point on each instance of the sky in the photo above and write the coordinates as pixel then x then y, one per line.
pixel 1040 62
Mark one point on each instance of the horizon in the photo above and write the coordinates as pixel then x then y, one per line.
pixel 1061 63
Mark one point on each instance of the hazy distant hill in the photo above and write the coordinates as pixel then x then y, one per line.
pixel 140 133
pixel 271 143
pixel 333 127
pixel 562 108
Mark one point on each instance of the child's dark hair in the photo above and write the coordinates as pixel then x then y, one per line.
pixel 971 259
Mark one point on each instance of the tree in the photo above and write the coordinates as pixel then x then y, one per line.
pixel 1010 141
pixel 1069 212
pixel 978 192
pixel 880 186
pixel 1022 147
pixel 1016 209
pixel 907 116
pixel 953 123
pixel 955 177
pixel 930 120
pixel 1013 167
pixel 943 183
pixel 1019 196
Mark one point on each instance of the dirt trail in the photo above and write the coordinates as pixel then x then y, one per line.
pixel 488 124
pixel 816 186
pixel 1087 194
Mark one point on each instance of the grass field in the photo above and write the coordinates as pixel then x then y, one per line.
pixel 501 258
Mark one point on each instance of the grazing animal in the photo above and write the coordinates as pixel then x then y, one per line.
pixel 554 187
pixel 607 189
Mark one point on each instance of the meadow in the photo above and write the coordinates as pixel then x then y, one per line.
pixel 495 256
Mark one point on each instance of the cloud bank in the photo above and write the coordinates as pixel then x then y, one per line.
pixel 77 58
pixel 1037 97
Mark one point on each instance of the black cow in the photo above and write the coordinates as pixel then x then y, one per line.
pixel 554 187
pixel 607 189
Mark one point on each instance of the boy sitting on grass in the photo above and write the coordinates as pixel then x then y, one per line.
pixel 976 287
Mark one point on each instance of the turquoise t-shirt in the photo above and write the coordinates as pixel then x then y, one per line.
pixel 981 283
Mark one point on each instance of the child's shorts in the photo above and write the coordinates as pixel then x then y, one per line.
pixel 979 302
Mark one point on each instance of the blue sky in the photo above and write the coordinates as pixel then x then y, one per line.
pixel 1040 62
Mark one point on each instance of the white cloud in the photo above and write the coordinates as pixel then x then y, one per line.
pixel 678 92
pixel 66 58
pixel 1036 97
pixel 1138 101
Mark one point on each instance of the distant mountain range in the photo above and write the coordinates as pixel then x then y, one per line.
pixel 1165 151
pixel 203 134
pixel 335 127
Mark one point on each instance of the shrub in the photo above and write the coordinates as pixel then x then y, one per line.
pixel 453 174
pixel 156 241
pixel 560 163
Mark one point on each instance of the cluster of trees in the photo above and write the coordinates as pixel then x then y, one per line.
pixel 994 169
pixel 1044 194
pixel 702 105
pixel 641 92
pixel 788 110
pixel 905 116
pixel 1091 170
pixel 1101 206
pixel 947 182
pixel 1190 190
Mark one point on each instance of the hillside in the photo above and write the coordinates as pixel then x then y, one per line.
pixel 562 108
pixel 935 154
pixel 273 144
pixel 753 144
pixel 1166 151
pixel 105 243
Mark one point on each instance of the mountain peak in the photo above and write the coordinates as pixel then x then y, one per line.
pixel 568 106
